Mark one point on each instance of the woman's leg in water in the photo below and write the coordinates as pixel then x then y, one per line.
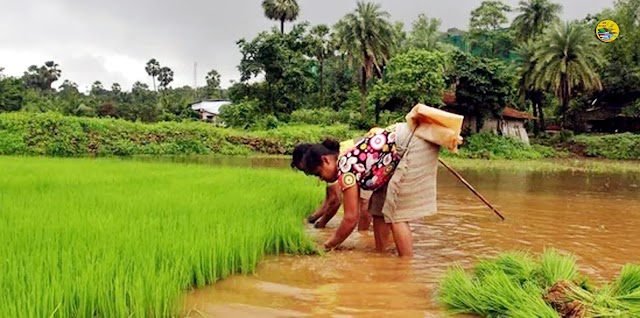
pixel 364 221
pixel 381 231
pixel 403 238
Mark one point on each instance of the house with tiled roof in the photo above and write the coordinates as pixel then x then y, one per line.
pixel 510 123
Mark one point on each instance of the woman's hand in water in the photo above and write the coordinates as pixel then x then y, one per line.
pixel 328 247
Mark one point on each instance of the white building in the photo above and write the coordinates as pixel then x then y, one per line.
pixel 209 109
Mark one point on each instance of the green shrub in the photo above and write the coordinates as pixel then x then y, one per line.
pixel 624 146
pixel 491 146
pixel 389 118
pixel 319 116
pixel 241 115
pixel 267 122
pixel 51 134
pixel 358 122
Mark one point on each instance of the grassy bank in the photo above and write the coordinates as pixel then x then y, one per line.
pixel 517 284
pixel 624 146
pixel 106 238
pixel 491 146
pixel 55 135
pixel 547 165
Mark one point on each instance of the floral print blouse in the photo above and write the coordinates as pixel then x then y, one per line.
pixel 370 163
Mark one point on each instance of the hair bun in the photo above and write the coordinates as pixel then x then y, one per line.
pixel 331 144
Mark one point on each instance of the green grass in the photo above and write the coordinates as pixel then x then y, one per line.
pixel 109 238
pixel 51 134
pixel 621 146
pixel 546 165
pixel 487 145
pixel 624 146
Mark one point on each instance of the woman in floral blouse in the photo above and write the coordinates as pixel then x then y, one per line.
pixel 403 188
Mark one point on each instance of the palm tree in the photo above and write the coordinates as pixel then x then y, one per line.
pixel 153 70
pixel 529 25
pixel 51 73
pixel 321 49
pixel 424 33
pixel 534 17
pixel 567 60
pixel 281 10
pixel 367 37
pixel 526 53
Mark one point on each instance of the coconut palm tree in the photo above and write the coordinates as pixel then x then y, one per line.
pixel 534 17
pixel 281 10
pixel 367 38
pixel 567 60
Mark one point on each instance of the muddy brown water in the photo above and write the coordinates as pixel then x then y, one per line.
pixel 596 217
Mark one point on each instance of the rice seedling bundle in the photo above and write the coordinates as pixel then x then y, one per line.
pixel 107 238
pixel 516 284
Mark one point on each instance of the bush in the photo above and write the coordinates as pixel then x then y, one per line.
pixel 319 116
pixel 624 146
pixel 56 135
pixel 491 146
pixel 358 122
pixel 389 118
pixel 241 115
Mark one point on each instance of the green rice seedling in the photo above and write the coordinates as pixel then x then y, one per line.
pixel 622 296
pixel 458 292
pixel 503 294
pixel 556 267
pixel 532 305
pixel 628 282
pixel 110 238
pixel 494 294
pixel 514 285
pixel 518 265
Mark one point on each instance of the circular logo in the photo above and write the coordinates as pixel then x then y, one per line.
pixel 607 31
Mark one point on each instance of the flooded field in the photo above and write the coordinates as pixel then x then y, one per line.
pixel 596 217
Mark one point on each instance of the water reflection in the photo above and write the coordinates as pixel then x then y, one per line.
pixel 595 216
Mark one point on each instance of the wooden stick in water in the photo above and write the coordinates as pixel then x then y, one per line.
pixel 470 187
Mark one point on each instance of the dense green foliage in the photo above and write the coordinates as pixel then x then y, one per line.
pixel 516 284
pixel 416 76
pixel 621 72
pixel 367 63
pixel 108 238
pixel 56 135
pixel 483 86
pixel 624 146
pixel 619 146
pixel 491 146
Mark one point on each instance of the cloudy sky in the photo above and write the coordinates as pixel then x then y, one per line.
pixel 112 40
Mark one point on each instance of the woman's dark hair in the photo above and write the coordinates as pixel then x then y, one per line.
pixel 313 157
pixel 298 153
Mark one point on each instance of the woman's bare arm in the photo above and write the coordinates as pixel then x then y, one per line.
pixel 351 211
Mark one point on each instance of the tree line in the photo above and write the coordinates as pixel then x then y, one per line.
pixel 367 66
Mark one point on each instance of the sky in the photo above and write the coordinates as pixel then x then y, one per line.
pixel 111 41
